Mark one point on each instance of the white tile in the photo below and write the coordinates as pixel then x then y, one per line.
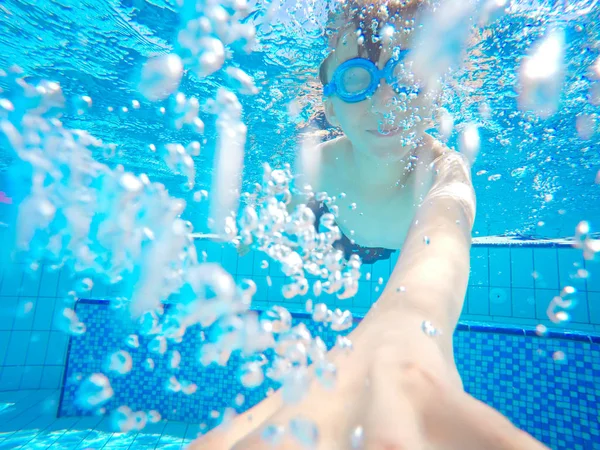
pixel 66 282
pixel 8 310
pixel 32 377
pixel 499 262
pixel 523 303
pixel 262 288
pixel 38 345
pixel 380 270
pixel 213 251
pixel 10 378
pixel 376 290
pixel 174 432
pixel 4 340
pixel 24 313
pixel 274 294
pixel 11 282
pixel 479 267
pixel 479 300
pixel 52 377
pixel 30 284
pixel 593 280
pixel 49 282
pixel 57 348
pixel 362 299
pixel 545 264
pixel 593 299
pixel 258 261
pixel 500 301
pixel 229 259
pixel 17 348
pixel 521 262
pixel 570 261
pixel 245 264
pixel 543 297
pixel 44 313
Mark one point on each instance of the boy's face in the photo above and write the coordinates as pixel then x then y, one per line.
pixel 388 124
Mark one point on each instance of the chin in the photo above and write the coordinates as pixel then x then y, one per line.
pixel 387 153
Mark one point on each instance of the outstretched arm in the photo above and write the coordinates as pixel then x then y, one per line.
pixel 432 273
pixel 431 278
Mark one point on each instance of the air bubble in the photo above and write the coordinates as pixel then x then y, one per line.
pixel 241 81
pixel 305 431
pixel 277 319
pixel 122 419
pixel 132 341
pixel 326 373
pixel 357 438
pixel 149 364
pixel 85 285
pixel 158 345
pixel 119 362
pixel 160 77
pixel 273 435
pixel 239 400
pixel 173 385
pixel 175 359
pixel 470 142
pixel 94 392
pixel 343 343
pixel 82 104
pixel 541 75
pixel 140 419
pixel 251 375
pixel 429 329
pixel 559 356
pixel 320 312
pixel 341 321
pixel 154 416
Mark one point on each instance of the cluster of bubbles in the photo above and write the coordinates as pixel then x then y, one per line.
pixel 585 241
pixel 121 227
pixel 292 239
pixel 560 305
pixel 110 223
pixel 124 419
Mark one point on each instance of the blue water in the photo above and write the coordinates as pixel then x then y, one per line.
pixel 534 178
pixel 97 48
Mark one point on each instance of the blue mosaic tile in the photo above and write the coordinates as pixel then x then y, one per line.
pixel 509 368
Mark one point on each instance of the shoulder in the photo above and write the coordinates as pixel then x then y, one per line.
pixel 321 163
pixel 333 149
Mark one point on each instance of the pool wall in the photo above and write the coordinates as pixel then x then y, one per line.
pixel 513 369
pixel 33 348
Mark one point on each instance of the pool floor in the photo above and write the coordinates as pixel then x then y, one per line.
pixel 28 421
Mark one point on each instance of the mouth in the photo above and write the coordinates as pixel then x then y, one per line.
pixel 385 133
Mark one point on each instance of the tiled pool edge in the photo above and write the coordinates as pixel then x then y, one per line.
pixel 466 325
pixel 483 241
pixel 469 326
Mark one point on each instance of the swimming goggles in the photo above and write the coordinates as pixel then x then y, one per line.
pixel 356 79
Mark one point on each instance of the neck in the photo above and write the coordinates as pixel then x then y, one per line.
pixel 382 173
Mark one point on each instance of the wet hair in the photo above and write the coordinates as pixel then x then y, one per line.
pixel 369 18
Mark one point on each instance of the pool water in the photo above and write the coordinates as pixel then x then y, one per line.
pixel 115 177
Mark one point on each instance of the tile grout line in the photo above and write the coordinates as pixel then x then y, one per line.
pixel 28 408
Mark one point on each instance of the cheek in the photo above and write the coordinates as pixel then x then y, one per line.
pixel 351 115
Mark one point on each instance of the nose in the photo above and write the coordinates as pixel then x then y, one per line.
pixel 384 99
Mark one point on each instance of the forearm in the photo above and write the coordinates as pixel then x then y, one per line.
pixel 433 269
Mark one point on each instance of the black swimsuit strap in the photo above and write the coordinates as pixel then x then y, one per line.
pixel 368 255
